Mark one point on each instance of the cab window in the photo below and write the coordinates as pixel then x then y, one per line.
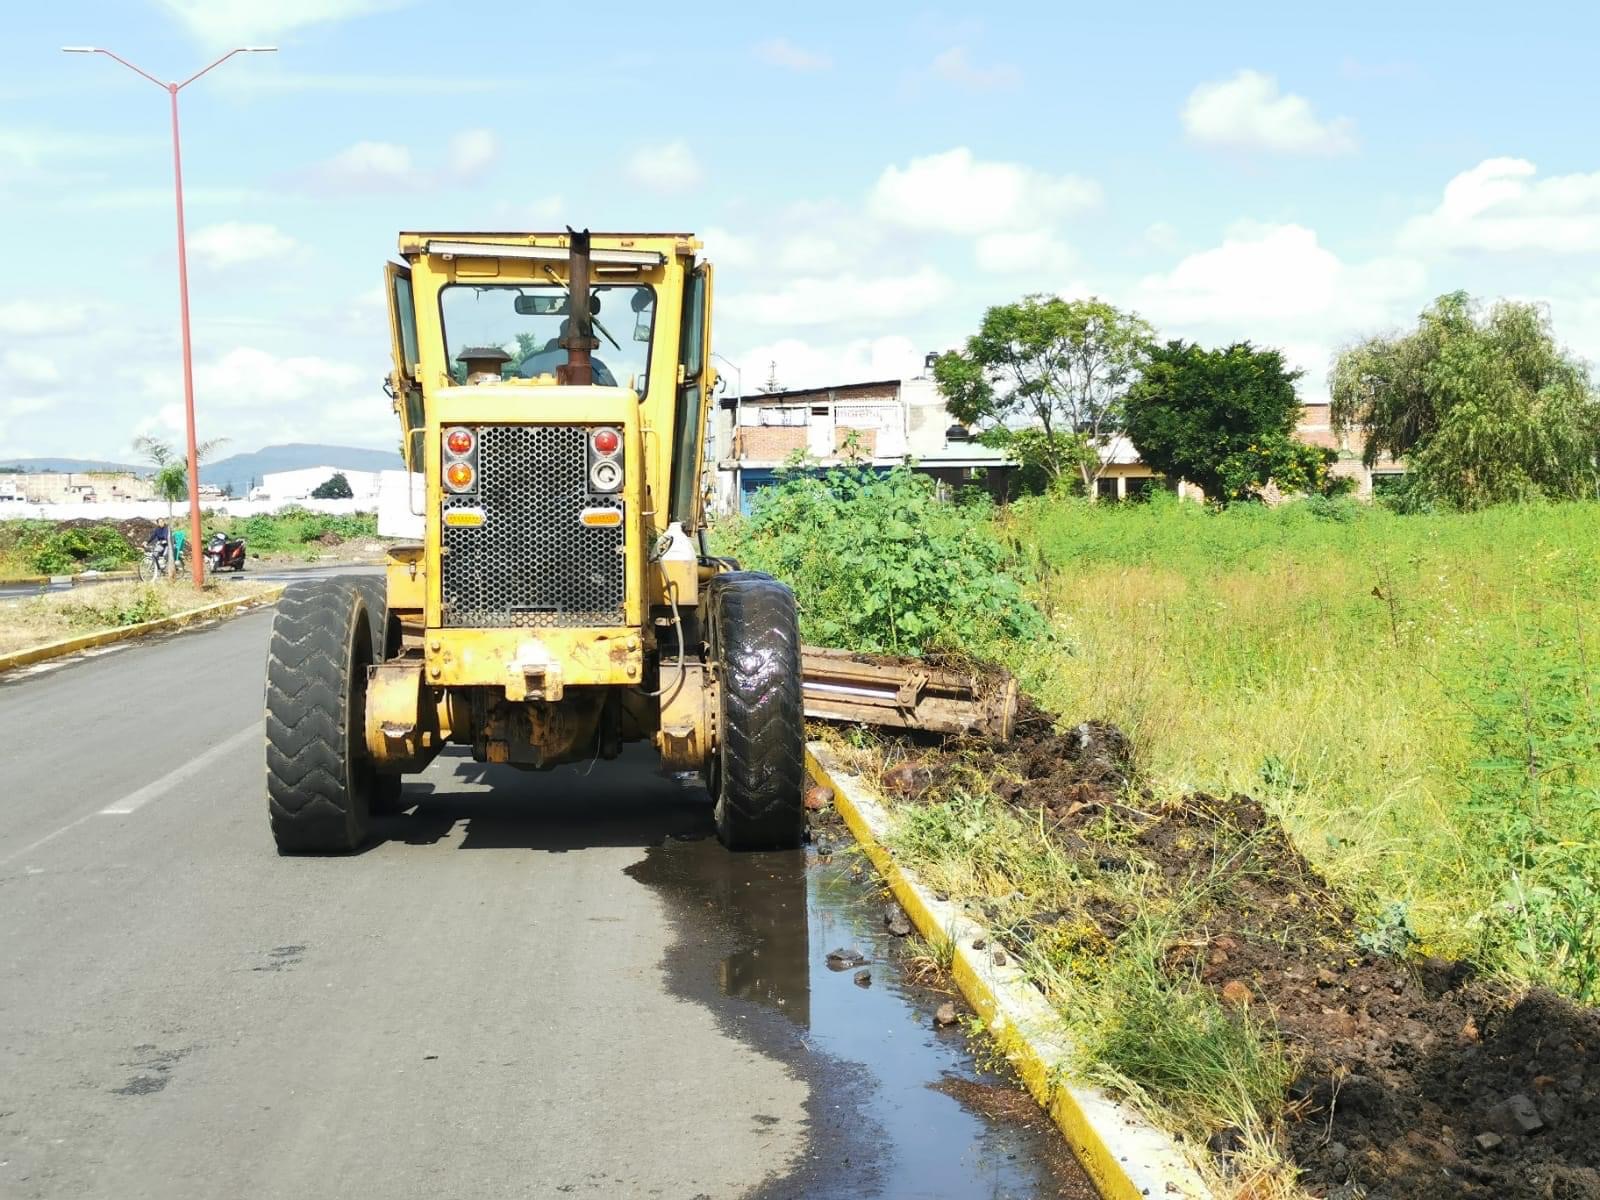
pixel 525 323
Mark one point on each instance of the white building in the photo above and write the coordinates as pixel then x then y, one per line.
pixel 299 484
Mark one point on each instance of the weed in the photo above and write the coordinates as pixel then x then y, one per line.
pixel 878 563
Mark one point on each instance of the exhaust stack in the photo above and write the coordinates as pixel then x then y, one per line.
pixel 578 370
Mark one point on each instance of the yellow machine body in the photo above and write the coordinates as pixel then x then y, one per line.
pixel 540 687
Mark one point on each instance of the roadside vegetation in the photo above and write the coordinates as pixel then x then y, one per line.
pixel 1402 707
pixel 53 616
pixel 34 547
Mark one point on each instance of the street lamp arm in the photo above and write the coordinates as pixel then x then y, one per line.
pixel 109 54
pixel 223 59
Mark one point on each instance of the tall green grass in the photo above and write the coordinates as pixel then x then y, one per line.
pixel 1418 697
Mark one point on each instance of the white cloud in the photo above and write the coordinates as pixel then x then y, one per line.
pixel 1248 112
pixel 668 167
pixel 42 318
pixel 954 192
pixel 473 151
pixel 380 166
pixel 23 366
pixel 728 249
pixel 1161 235
pixel 1034 252
pixel 953 66
pixel 220 21
pixel 781 52
pixel 1277 285
pixel 798 363
pixel 234 243
pixel 370 166
pixel 842 299
pixel 1500 206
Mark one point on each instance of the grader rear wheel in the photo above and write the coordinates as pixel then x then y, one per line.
pixel 319 777
pixel 759 772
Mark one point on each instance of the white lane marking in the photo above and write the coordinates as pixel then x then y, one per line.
pixel 49 837
pixel 134 801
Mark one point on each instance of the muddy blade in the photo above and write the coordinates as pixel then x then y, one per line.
pixel 860 689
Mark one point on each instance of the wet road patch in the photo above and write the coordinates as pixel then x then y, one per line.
pixel 897 1107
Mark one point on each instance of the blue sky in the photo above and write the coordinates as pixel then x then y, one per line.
pixel 867 178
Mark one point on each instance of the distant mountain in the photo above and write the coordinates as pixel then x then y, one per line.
pixel 240 470
pixel 68 464
pixel 244 470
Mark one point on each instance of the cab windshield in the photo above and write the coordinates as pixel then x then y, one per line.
pixel 525 323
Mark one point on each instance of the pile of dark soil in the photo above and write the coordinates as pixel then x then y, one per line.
pixel 1418 1082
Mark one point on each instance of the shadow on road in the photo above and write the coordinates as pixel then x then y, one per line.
pixel 625 802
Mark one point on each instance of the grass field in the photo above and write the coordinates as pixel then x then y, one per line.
pixel 1417 697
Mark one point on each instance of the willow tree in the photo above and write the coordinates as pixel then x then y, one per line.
pixel 1484 407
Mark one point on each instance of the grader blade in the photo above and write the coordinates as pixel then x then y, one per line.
pixel 860 689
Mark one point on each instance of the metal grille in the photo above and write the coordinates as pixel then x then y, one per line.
pixel 531 563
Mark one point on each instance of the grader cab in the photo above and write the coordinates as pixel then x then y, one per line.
pixel 553 392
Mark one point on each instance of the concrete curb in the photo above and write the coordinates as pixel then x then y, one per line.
pixel 1123 1154
pixel 105 637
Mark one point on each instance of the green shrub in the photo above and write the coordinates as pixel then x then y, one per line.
pixel 91 547
pixel 879 563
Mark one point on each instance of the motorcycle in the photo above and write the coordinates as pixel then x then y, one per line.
pixel 224 553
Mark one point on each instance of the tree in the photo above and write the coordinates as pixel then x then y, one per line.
pixel 1224 419
pixel 1063 366
pixel 171 479
pixel 1483 408
pixel 335 487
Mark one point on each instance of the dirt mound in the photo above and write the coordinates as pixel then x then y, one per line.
pixel 1418 1081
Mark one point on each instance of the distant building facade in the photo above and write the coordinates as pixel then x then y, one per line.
pixel 299 484
pixel 69 487
pixel 881 423
pixel 1125 476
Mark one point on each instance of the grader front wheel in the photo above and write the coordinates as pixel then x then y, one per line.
pixel 319 777
pixel 759 772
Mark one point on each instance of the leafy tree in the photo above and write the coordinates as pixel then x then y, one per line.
pixel 1224 419
pixel 1063 366
pixel 335 487
pixel 1484 408
pixel 171 478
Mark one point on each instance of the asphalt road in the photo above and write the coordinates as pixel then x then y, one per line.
pixel 498 998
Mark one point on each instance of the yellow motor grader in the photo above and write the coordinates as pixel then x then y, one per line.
pixel 553 392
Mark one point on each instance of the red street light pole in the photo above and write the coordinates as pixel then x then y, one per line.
pixel 196 561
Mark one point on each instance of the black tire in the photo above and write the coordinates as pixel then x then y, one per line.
pixel 385 797
pixel 319 778
pixel 758 772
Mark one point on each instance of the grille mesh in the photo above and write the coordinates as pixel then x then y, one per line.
pixel 530 563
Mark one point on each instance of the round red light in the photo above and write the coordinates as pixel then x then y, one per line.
pixel 458 441
pixel 606 441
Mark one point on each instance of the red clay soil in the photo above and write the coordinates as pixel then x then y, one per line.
pixel 1418 1082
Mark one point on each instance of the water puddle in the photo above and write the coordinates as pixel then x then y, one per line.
pixel 897 1108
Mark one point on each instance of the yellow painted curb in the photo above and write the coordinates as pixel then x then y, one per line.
pixel 105 637
pixel 1123 1154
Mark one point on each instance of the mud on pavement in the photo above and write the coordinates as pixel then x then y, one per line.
pixel 897 1106
pixel 1415 1080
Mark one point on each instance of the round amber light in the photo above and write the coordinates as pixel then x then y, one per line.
pixel 458 441
pixel 459 476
